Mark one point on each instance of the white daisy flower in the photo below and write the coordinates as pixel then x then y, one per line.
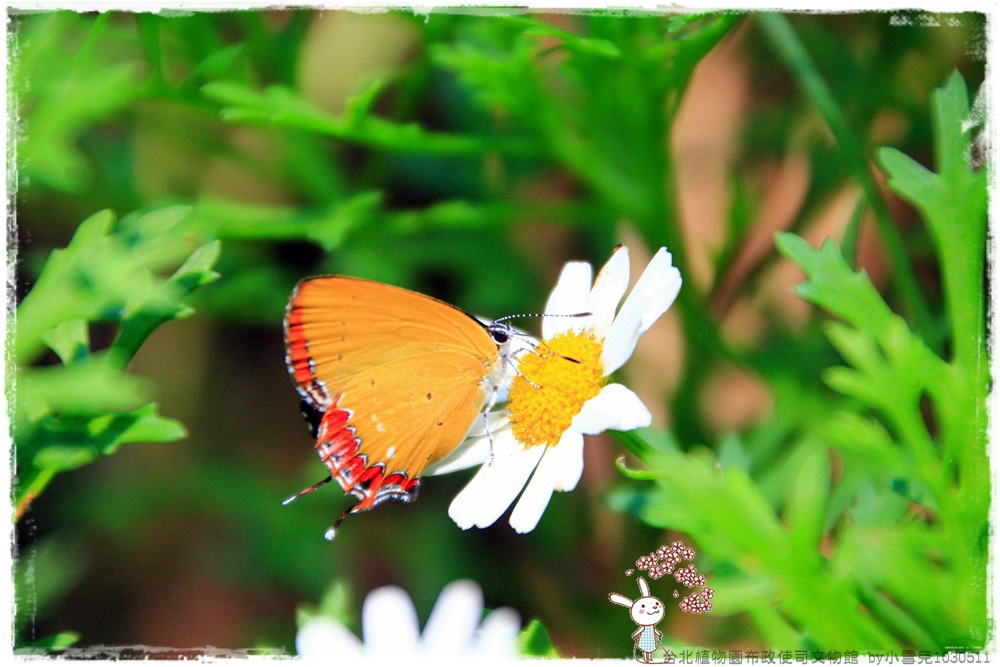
pixel 561 392
pixel 389 624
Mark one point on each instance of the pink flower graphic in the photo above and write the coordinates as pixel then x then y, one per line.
pixel 664 561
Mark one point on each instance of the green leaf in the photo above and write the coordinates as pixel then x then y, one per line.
pixel 336 602
pixel 805 512
pixel 70 415
pixel 138 228
pixel 891 367
pixel 91 230
pixel 80 100
pixel 70 340
pixel 900 364
pixel 108 432
pixel 278 106
pixel 196 270
pixel 153 303
pixel 927 447
pixel 218 64
pixel 866 444
pixel 500 74
pixel 833 285
pixel 54 642
pixel 534 641
pixel 736 524
pixel 64 443
pixel 90 387
pixel 64 89
pixel 98 274
pixel 601 48
pixel 742 592
pixel 59 458
pixel 732 454
pixel 359 107
pixel 359 211
pixel 953 203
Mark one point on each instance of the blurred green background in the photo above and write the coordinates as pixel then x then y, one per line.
pixel 465 155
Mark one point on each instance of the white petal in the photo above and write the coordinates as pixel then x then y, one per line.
pixel 570 468
pixel 474 450
pixel 389 622
pixel 498 420
pixel 609 288
pixel 532 503
pixel 616 407
pixel 498 634
pixel 496 485
pixel 454 619
pixel 322 638
pixel 568 297
pixel 654 292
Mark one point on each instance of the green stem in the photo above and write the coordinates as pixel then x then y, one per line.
pixel 230 220
pixel 149 35
pixel 850 240
pixel 96 30
pixel 788 46
pixel 897 619
pixel 701 331
pixel 598 172
pixel 40 311
pixel 385 135
pixel 27 494
pixel 635 444
pixel 961 245
pixel 913 434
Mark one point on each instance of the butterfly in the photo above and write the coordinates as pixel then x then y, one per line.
pixel 391 380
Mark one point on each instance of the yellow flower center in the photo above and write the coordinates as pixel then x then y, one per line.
pixel 554 381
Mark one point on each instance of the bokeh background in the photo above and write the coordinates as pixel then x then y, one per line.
pixel 570 133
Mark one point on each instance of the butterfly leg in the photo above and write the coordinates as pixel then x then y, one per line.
pixel 489 434
pixel 506 360
pixel 486 418
pixel 517 371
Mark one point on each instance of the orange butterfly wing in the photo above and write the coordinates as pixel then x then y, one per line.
pixel 399 378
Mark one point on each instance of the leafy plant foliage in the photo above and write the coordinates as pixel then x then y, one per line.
pixel 891 551
pixel 68 414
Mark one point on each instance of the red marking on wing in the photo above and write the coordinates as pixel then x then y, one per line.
pixel 338 449
pixel 299 359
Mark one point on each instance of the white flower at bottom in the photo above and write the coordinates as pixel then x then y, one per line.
pixel 390 628
pixel 561 392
